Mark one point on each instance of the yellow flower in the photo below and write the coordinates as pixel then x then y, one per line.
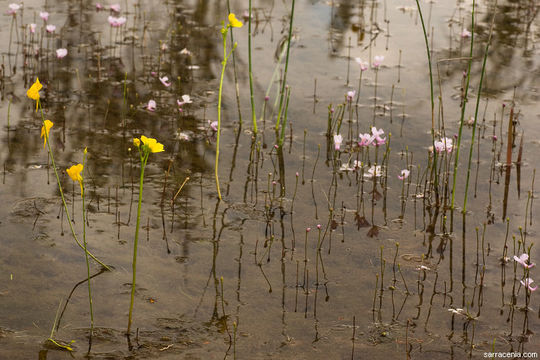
pixel 234 22
pixel 33 92
pixel 152 144
pixel 47 125
pixel 137 142
pixel 74 172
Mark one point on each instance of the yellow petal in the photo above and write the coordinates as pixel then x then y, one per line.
pixel 137 142
pixel 74 172
pixel 234 21
pixel 33 92
pixel 156 147
pixel 47 125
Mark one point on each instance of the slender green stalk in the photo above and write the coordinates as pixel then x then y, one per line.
pixel 144 159
pixel 478 105
pixel 282 93
pixel 463 106
pixel 436 180
pixel 284 126
pixel 62 193
pixel 253 115
pixel 226 56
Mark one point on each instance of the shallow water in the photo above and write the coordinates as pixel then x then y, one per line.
pixel 255 238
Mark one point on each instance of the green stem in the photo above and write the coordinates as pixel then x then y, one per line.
pixel 436 179
pixel 477 106
pixel 251 75
pixel 282 94
pixel 224 31
pixel 62 195
pixel 144 159
pixel 463 107
pixel 223 64
pixel 284 126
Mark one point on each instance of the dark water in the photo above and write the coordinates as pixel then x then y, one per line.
pixel 276 300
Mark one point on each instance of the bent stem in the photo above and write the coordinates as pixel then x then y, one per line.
pixel 144 159
pixel 62 195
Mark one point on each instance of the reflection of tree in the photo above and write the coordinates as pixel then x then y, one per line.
pixel 511 32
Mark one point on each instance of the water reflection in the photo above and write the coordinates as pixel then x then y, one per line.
pixel 248 268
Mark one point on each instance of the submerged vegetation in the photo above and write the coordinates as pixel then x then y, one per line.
pixel 347 222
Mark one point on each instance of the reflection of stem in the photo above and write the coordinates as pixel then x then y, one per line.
pixel 62 193
pixel 57 326
pixel 86 257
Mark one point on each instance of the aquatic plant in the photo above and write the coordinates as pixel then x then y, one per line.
pixel 75 173
pixel 233 22
pixel 33 93
pixel 145 146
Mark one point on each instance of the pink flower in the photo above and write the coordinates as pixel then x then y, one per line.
pixel 522 259
pixel 61 53
pixel 185 51
pixel 444 144
pixel 338 139
pixel 164 46
pixel 165 81
pixel 115 8
pixel 50 28
pixel 377 61
pixel 213 125
pixel 116 22
pixel 377 136
pixel 527 283
pixel 350 95
pixel 365 139
pixel 44 15
pixel 404 174
pixel 99 6
pixel 465 34
pixel 151 105
pixel 373 171
pixel 186 99
pixel 363 65
pixel 32 28
pixel 12 8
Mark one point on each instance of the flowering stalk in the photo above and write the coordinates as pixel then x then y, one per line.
pixel 148 146
pixel 233 22
pixel 74 173
pixel 251 75
pixel 33 93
